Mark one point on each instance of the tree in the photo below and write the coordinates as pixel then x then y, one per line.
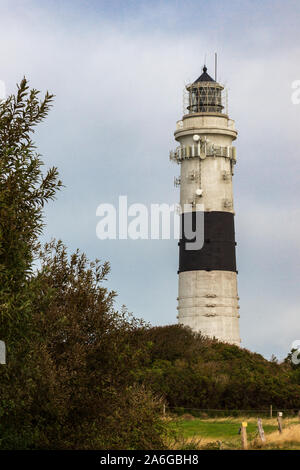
pixel 24 190
pixel 70 378
pixel 76 388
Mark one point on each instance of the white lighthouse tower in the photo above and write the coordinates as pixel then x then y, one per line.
pixel 207 294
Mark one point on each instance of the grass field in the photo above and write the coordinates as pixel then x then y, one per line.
pixel 224 433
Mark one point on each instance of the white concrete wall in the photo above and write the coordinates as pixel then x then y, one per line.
pixel 216 190
pixel 219 130
pixel 208 303
pixel 208 300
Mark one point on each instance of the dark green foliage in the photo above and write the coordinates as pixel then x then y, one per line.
pixel 163 346
pixel 194 372
pixel 76 389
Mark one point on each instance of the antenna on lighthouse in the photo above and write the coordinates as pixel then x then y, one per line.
pixel 216 59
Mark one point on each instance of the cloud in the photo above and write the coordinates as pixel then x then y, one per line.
pixel 2 90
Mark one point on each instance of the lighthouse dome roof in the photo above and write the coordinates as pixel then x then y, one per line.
pixel 204 77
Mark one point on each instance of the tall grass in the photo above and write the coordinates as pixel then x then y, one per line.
pixel 289 439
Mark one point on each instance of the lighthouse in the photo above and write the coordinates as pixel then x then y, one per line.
pixel 207 287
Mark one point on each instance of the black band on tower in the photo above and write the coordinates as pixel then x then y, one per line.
pixel 218 251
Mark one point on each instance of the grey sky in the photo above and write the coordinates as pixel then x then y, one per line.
pixel 118 70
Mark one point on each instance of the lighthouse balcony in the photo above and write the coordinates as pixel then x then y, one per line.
pixel 202 150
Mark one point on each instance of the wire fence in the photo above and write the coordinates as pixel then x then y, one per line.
pixel 205 413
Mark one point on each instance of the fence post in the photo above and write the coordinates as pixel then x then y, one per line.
pixel 164 410
pixel 261 430
pixel 279 421
pixel 271 411
pixel 244 436
pixel 2 353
